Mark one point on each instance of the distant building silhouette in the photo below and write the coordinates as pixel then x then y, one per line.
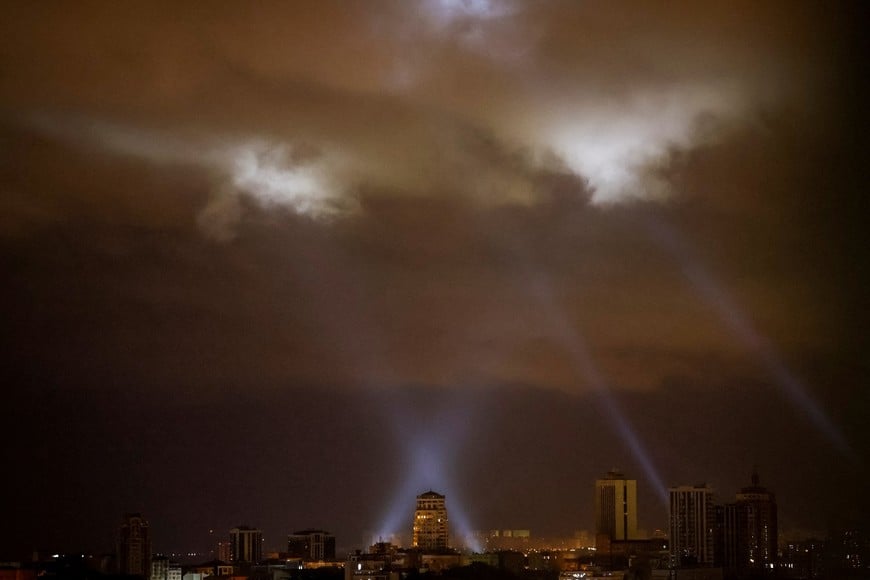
pixel 726 537
pixel 134 546
pixel 246 545
pixel 430 522
pixel 311 545
pixel 692 525
pixel 615 508
pixel 757 531
pixel 496 540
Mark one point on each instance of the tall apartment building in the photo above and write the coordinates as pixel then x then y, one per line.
pixel 726 536
pixel 616 507
pixel 757 528
pixel 246 545
pixel 692 525
pixel 747 533
pixel 430 522
pixel 134 546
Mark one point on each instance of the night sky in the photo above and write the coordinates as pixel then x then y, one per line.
pixel 292 264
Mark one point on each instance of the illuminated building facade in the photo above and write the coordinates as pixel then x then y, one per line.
pixel 134 546
pixel 174 572
pixel 311 545
pixel 159 568
pixel 163 568
pixel 692 525
pixel 246 545
pixel 430 522
pixel 615 507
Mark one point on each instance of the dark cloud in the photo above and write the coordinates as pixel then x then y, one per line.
pixel 608 91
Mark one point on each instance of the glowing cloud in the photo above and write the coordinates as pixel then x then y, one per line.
pixel 617 148
pixel 271 172
pixel 450 10
pixel 268 172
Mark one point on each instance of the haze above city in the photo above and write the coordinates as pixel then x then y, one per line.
pixel 291 265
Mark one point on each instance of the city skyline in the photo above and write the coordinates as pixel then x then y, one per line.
pixel 245 544
pixel 292 265
pixel 733 540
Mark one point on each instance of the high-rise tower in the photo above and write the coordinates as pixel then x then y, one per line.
pixel 692 525
pixel 616 507
pixel 756 527
pixel 134 546
pixel 430 522
pixel 246 545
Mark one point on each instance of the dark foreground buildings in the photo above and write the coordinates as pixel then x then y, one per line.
pixel 740 537
pixel 246 545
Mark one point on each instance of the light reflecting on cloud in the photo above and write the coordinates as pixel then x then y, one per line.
pixel 617 148
pixel 273 172
pixel 448 10
pixel 268 172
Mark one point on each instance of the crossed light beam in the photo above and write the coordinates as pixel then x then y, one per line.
pixel 427 452
pixel 427 449
pixel 732 316
pixel 741 327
